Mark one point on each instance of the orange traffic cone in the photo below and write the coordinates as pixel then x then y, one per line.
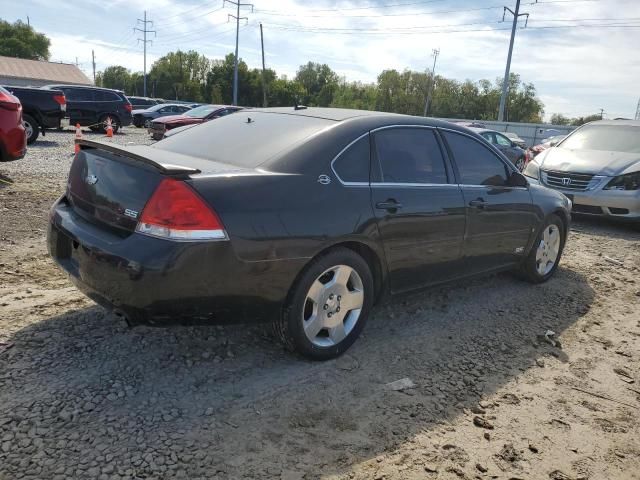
pixel 109 127
pixel 78 137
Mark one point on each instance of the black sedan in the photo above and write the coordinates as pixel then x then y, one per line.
pixel 299 217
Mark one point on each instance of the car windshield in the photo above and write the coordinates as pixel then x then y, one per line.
pixel 612 138
pixel 201 112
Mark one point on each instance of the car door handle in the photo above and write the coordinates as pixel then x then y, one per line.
pixel 390 204
pixel 478 203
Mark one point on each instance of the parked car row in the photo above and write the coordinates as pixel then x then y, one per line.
pixel 159 127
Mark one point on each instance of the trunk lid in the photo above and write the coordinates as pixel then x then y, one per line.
pixel 110 184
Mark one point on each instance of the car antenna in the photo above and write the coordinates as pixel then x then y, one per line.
pixel 296 106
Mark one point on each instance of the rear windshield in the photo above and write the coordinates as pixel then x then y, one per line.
pixel 201 112
pixel 235 141
pixel 611 138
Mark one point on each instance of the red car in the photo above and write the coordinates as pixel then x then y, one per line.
pixel 13 139
pixel 200 114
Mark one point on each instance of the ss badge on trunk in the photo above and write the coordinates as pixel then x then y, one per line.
pixel 130 213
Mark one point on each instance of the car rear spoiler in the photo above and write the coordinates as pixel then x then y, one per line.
pixel 141 154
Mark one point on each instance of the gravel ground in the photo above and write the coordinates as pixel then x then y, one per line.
pixel 82 396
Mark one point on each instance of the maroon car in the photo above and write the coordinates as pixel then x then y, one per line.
pixel 13 140
pixel 200 114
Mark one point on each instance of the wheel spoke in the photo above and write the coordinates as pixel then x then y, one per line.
pixel 313 326
pixel 337 333
pixel 315 292
pixel 352 300
pixel 342 275
pixel 545 236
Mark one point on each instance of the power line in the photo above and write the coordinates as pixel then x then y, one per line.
pixel 322 30
pixel 144 41
pixel 406 14
pixel 360 8
pixel 184 12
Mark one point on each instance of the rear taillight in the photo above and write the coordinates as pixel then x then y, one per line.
pixel 176 212
pixel 9 102
pixel 60 100
pixel 128 107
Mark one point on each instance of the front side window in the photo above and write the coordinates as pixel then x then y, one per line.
pixel 353 164
pixel 477 165
pixel 409 155
pixel 502 140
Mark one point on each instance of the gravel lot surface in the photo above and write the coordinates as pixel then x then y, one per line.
pixel 82 396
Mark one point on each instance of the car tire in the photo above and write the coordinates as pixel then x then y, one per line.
pixel 115 123
pixel 328 305
pixel 32 128
pixel 544 257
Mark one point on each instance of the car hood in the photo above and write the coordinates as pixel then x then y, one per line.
pixel 595 162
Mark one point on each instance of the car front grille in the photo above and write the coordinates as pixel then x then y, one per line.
pixel 567 180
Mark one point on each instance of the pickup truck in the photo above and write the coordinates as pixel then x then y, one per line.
pixel 41 109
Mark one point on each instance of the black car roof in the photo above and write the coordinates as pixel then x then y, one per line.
pixel 254 137
pixel 87 87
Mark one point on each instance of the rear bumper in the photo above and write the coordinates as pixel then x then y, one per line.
pixel 159 282
pixel 13 145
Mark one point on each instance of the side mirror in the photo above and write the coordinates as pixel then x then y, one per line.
pixel 516 179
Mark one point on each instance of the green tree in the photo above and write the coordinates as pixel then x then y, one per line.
pixel 559 119
pixel 582 120
pixel 180 76
pixel 115 76
pixel 319 83
pixel 22 41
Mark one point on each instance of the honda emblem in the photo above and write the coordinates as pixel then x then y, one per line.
pixel 566 181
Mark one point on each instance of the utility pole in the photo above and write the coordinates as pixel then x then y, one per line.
pixel 28 22
pixel 432 83
pixel 144 41
pixel 93 62
pixel 264 84
pixel 638 110
pixel 601 113
pixel 237 16
pixel 505 83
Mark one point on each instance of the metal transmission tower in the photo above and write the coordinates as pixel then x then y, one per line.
pixel 237 16
pixel 505 83
pixel 638 110
pixel 144 41
pixel 432 84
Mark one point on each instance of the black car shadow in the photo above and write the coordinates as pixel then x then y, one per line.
pixel 233 393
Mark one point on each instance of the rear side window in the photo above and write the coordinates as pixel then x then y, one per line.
pixel 79 94
pixel 476 164
pixel 353 164
pixel 409 155
pixel 103 96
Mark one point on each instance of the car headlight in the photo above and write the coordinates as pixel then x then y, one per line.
pixel 630 181
pixel 532 170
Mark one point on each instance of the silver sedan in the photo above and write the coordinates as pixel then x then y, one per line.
pixel 598 167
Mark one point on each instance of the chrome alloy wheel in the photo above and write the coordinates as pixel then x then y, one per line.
pixel 28 129
pixel 332 306
pixel 548 249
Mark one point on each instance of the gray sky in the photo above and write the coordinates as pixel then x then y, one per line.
pixel 582 55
